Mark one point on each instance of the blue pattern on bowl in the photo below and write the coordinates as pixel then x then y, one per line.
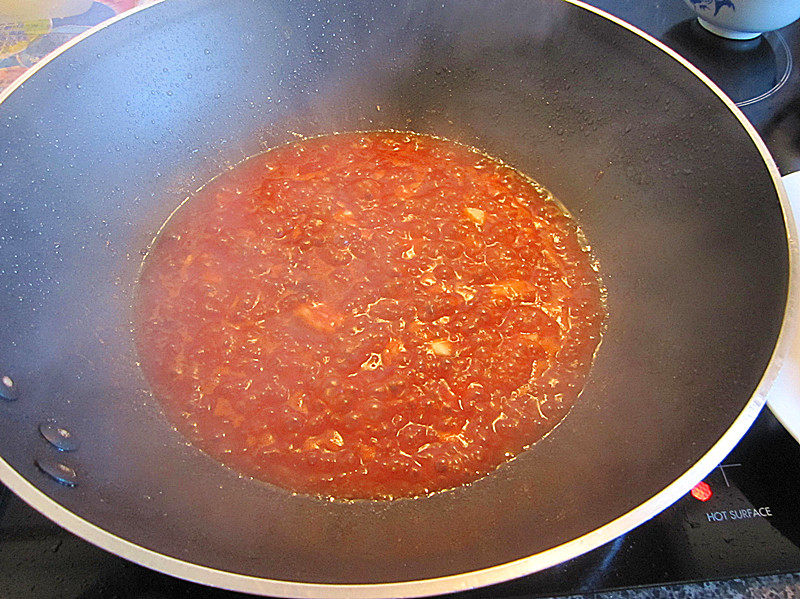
pixel 718 4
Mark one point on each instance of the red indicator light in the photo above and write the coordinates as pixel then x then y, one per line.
pixel 702 492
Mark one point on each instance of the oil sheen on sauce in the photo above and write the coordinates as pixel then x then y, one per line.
pixel 368 315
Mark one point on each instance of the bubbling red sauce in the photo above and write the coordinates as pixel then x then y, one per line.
pixel 368 315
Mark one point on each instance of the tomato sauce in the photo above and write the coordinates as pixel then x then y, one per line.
pixel 368 315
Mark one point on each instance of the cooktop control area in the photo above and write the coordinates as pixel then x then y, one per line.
pixel 742 520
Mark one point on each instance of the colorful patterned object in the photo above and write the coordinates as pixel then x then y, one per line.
pixel 15 37
pixel 22 45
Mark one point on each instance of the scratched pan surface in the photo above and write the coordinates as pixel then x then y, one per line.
pixel 675 194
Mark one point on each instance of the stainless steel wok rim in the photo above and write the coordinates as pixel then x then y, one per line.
pixel 478 578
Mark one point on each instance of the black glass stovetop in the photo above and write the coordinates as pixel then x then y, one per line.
pixel 744 521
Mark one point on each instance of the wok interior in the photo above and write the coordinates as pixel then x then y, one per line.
pixel 102 144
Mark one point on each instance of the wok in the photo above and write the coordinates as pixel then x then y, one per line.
pixel 675 191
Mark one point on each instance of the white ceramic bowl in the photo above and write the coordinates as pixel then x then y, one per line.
pixel 744 19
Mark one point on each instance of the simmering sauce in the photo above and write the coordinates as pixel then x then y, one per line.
pixel 368 315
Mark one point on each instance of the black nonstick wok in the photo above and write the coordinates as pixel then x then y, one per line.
pixel 677 195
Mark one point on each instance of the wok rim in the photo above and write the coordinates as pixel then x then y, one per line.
pixel 477 578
